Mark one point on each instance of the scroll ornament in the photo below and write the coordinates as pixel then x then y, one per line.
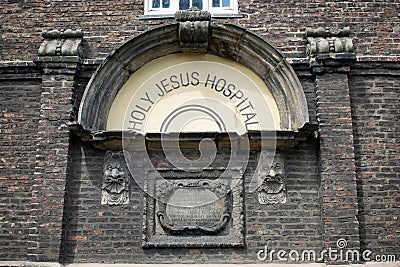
pixel 194 28
pixel 328 40
pixel 61 43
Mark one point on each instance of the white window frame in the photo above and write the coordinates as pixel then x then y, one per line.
pixel 174 6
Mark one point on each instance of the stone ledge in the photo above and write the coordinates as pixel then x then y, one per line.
pixel 55 264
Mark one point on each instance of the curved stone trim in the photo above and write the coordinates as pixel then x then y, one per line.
pixel 226 40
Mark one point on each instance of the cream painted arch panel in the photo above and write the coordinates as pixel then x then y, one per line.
pixel 193 93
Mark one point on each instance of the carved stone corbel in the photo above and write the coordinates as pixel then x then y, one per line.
pixel 61 43
pixel 328 40
pixel 115 188
pixel 194 28
pixel 273 186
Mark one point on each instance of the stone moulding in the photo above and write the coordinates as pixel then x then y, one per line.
pixel 328 40
pixel 328 32
pixel 192 14
pixel 112 140
pixel 225 40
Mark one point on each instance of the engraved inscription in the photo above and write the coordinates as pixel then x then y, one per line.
pixel 193 207
pixel 188 205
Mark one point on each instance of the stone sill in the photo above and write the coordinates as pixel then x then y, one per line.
pixel 106 140
pixel 172 16
pixel 54 264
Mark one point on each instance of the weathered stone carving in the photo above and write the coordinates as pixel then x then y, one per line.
pixel 61 43
pixel 194 209
pixel 273 187
pixel 328 32
pixel 328 40
pixel 193 206
pixel 115 189
pixel 194 26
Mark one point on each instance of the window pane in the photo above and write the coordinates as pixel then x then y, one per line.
pixel 165 3
pixel 183 4
pixel 156 3
pixel 198 4
pixel 215 3
pixel 226 3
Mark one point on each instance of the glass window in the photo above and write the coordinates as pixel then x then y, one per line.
pixel 186 4
pixel 156 4
pixel 165 3
pixel 198 4
pixel 221 3
pixel 169 7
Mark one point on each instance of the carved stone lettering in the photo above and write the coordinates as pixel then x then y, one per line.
pixel 115 189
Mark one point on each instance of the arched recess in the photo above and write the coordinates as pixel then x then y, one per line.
pixel 226 40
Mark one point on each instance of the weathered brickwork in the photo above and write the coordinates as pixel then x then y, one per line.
pixel 20 106
pixel 51 166
pixel 107 24
pixel 113 234
pixel 342 180
pixel 338 180
pixel 375 106
pixel 295 225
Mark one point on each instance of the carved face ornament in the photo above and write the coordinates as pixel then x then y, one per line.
pixel 115 186
pixel 114 178
pixel 273 179
pixel 273 187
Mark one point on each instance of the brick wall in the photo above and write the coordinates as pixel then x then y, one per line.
pixel 52 157
pixel 100 233
pixel 19 114
pixel 95 233
pixel 337 162
pixel 107 24
pixel 375 105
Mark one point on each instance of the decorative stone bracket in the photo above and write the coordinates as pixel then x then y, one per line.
pixel 328 40
pixel 194 27
pixel 61 43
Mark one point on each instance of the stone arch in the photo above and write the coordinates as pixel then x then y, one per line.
pixel 225 40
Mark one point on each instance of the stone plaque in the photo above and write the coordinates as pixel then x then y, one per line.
pixel 194 209
pixel 193 206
